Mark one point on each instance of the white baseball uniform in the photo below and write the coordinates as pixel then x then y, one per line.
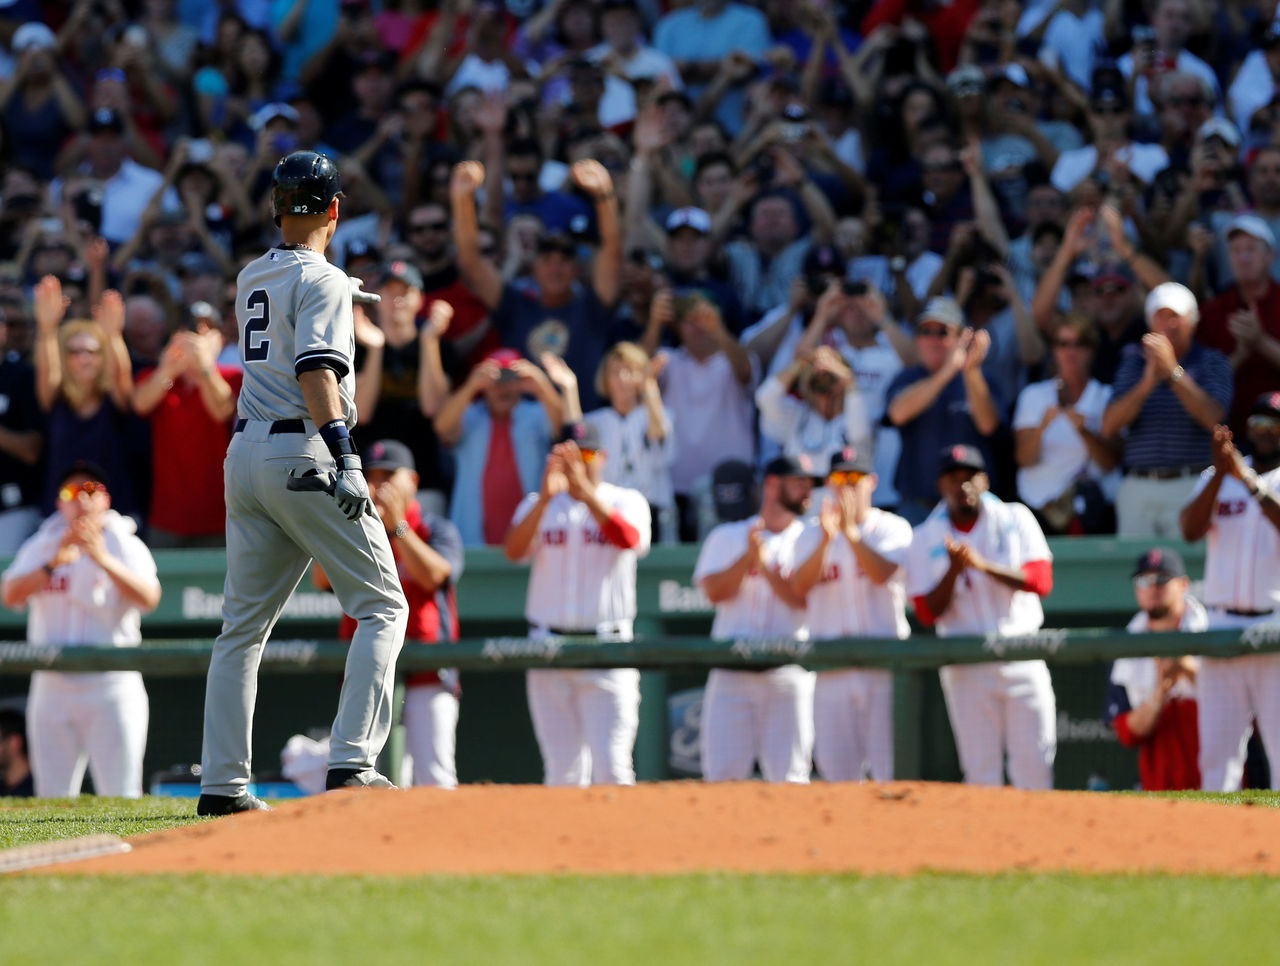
pixel 750 716
pixel 1241 587
pixel 1003 707
pixel 98 718
pixel 853 707
pixel 582 583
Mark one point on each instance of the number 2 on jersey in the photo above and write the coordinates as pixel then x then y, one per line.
pixel 256 346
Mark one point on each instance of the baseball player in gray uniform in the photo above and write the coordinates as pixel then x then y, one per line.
pixel 296 491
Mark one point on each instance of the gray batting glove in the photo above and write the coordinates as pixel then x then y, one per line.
pixel 350 491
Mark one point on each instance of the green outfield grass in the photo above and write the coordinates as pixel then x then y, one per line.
pixel 652 921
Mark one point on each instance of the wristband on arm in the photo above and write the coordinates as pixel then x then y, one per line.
pixel 338 439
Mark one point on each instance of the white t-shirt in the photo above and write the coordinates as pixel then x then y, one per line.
pixel 1063 455
pixel 712 413
pixel 800 430
pixel 1252 88
pixel 631 458
pixel 846 602
pixel 1144 160
pixel 756 611
pixel 1006 534
pixel 578 579
pixel 1242 550
pixel 80 604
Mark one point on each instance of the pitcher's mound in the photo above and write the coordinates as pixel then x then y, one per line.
pixel 678 827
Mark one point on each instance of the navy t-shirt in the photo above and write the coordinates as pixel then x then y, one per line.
pixel 580 332
pixel 944 423
pixel 19 413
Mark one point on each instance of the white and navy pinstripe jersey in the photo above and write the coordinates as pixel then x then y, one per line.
pixel 294 312
pixel 756 611
pixel 1242 550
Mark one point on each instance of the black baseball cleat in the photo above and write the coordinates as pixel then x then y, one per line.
pixel 355 778
pixel 231 804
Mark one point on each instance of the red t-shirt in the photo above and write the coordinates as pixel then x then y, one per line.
pixel 947 23
pixel 469 313
pixel 1256 375
pixel 424 612
pixel 188 447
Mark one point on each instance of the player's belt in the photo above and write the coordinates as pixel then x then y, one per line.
pixel 1162 472
pixel 1241 612
pixel 605 629
pixel 279 426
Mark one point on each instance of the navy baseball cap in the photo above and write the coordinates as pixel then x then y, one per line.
pixel 84 468
pixel 401 271
pixel 1268 404
pixel 585 434
pixel 850 460
pixel 733 490
pixel 800 465
pixel 960 457
pixel 1160 560
pixel 389 454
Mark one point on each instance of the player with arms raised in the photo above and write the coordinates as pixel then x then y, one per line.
pixel 292 451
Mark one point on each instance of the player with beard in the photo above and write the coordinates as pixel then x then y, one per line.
pixel 1237 509
pixel 744 568
pixel 979 566
pixel 1151 701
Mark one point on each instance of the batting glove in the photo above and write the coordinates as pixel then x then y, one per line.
pixel 350 491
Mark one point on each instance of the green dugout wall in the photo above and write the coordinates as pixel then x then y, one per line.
pixel 495 740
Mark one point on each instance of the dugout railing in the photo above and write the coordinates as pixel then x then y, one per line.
pixel 921 742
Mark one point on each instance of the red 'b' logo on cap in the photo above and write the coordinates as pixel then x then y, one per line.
pixel 958 453
pixel 1154 558
pixel 1274 400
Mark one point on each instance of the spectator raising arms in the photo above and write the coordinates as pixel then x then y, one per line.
pixel 84 381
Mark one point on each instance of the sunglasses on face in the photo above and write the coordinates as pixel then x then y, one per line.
pixel 589 455
pixel 844 477
pixel 1068 344
pixel 1151 580
pixel 83 350
pixel 933 332
pixel 72 490
pixel 940 166
pixel 429 226
pixel 1189 100
pixel 523 175
pixel 1110 289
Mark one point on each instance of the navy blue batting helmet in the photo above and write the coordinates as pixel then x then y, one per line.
pixel 303 184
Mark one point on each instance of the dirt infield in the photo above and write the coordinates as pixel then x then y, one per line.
pixel 680 827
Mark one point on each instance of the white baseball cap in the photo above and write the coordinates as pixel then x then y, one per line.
pixel 694 218
pixel 942 309
pixel 1177 298
pixel 33 36
pixel 1219 127
pixel 1254 227
pixel 265 115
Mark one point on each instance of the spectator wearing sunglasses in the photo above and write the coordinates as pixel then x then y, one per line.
pixel 943 398
pixel 84 381
pixel 1109 116
pixel 1151 701
pixel 1063 459
pixel 1235 508
pixel 85 578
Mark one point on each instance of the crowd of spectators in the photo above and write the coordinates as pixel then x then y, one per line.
pixel 732 230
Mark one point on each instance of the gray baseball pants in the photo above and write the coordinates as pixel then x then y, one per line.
pixel 272 536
